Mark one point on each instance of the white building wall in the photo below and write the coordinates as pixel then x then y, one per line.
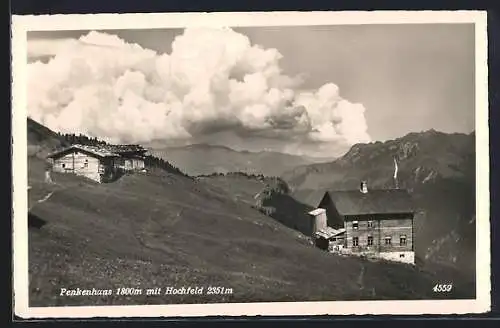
pixel 319 219
pixel 404 257
pixel 63 164
pixel 128 164
pixel 401 257
pixel 138 163
pixel 78 163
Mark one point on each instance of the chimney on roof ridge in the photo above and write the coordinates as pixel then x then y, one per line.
pixel 363 187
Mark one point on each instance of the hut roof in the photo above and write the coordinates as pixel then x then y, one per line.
pixel 124 148
pixel 375 201
pixel 96 151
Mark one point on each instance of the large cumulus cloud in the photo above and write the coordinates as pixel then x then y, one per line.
pixel 214 81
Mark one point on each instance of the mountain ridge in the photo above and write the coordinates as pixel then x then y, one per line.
pixel 400 152
pixel 244 151
pixel 202 159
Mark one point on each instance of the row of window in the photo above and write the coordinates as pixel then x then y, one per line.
pixel 85 164
pixel 387 241
pixel 355 224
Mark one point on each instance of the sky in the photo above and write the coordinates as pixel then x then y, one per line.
pixel 313 90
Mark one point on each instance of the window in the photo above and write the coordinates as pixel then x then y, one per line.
pixel 370 224
pixel 401 255
pixel 354 241
pixel 402 240
pixel 387 240
pixel 86 163
pixel 63 165
pixel 370 241
pixel 355 224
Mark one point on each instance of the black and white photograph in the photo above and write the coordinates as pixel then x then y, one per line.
pixel 250 164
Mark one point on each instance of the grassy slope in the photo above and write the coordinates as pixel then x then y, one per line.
pixel 279 205
pixel 240 187
pixel 162 230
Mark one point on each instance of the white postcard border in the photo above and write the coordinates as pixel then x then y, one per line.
pixel 22 24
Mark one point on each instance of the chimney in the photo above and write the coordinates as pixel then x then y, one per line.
pixel 363 187
pixel 318 220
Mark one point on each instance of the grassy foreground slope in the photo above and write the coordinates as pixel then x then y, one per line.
pixel 162 229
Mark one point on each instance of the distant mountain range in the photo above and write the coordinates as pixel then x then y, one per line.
pixel 199 159
pixel 437 168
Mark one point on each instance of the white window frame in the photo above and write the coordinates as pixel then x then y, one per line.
pixel 355 225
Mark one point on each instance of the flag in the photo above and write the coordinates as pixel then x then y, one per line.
pixel 395 168
pixel 396 173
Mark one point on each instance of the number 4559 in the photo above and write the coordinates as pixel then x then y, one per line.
pixel 440 288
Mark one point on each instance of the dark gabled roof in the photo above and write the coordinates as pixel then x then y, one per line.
pixel 377 201
pixel 312 198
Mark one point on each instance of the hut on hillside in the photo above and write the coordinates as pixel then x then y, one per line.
pixel 131 157
pixel 373 223
pixel 99 163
